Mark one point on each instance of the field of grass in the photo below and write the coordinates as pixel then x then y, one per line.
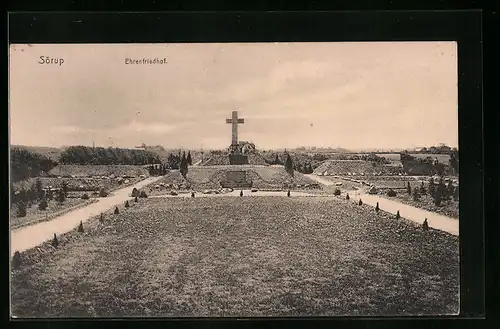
pixel 241 257
pixel 34 215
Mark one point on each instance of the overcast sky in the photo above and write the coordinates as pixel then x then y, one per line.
pixel 350 95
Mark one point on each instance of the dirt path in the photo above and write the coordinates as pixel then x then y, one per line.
pixel 34 235
pixel 436 221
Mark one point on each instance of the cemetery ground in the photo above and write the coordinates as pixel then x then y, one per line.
pixel 54 208
pixel 398 184
pixel 249 256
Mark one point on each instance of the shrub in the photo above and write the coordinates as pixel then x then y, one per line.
pixel 21 209
pixel 55 242
pixel 103 193
pixel 416 195
pixel 80 227
pixel 61 197
pixel 425 225
pixel 391 193
pixel 126 204
pixel 43 205
pixel 116 211
pixel 143 194
pixel 337 192
pixel 85 196
pixel 16 260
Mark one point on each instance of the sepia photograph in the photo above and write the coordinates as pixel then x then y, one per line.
pixel 285 179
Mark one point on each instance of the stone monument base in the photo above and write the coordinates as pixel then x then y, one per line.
pixel 238 159
pixel 236 179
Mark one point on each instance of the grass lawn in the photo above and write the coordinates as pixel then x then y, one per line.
pixel 234 256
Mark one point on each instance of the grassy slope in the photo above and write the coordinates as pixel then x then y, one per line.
pixel 241 257
pixel 200 178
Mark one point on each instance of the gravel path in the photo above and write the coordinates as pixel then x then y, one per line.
pixel 436 221
pixel 34 235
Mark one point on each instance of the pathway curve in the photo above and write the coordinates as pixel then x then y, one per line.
pixel 31 236
pixel 436 221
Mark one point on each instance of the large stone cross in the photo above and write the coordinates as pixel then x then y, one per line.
pixel 235 121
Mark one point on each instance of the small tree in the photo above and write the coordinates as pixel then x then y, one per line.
pixel 377 208
pixel 65 189
pixel 241 193
pixel 409 188
pixel 347 196
pixel 135 192
pixel 103 193
pixel 136 199
pixel 32 194
pixel 360 202
pixel 442 190
pixel 425 225
pixel 80 227
pixel 85 196
pixel 192 194
pixel 21 209
pixel 126 204
pixel 101 218
pixel 61 196
pixel 43 205
pixel 432 187
pixel 455 193
pixel 288 193
pixel 416 195
pixel 184 165
pixel 438 197
pixel 116 212
pixel 337 192
pixel 398 216
pixel 289 164
pixel 39 189
pixel 16 260
pixel 55 242
pixel 143 194
pixel 310 169
pixel 422 188
pixel 189 159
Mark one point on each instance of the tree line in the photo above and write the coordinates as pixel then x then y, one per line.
pixel 175 161
pixel 85 155
pixel 26 164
